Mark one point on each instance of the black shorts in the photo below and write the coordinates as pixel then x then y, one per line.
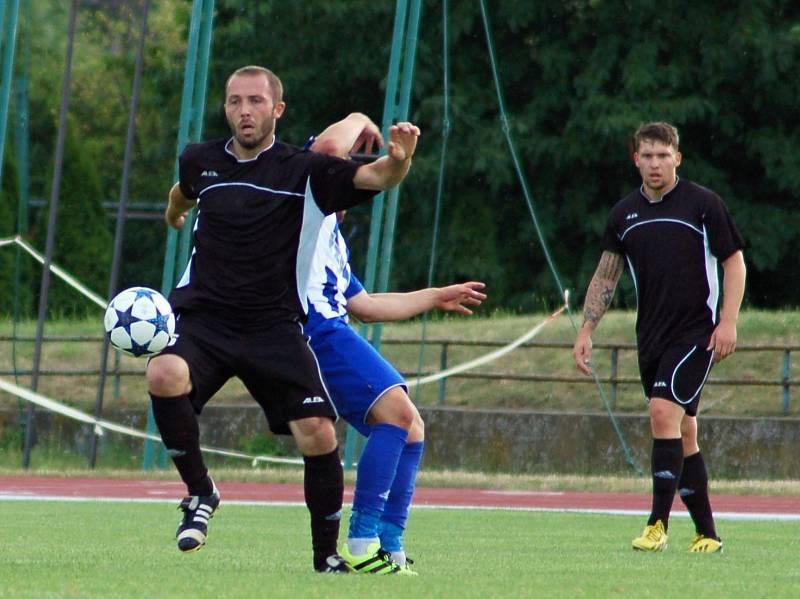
pixel 274 361
pixel 678 375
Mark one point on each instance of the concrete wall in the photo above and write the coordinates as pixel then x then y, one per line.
pixel 509 440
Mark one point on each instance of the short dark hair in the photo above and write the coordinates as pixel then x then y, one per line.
pixel 656 131
pixel 275 85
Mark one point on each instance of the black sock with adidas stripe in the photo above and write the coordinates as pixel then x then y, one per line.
pixel 693 489
pixel 180 432
pixel 667 464
pixel 324 486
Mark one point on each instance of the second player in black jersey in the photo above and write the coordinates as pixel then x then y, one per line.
pixel 241 301
pixel 673 234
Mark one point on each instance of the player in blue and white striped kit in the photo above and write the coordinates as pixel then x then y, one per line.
pixel 367 391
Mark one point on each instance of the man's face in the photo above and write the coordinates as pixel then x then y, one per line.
pixel 251 111
pixel 657 163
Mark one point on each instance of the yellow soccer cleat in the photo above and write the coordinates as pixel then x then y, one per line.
pixel 704 544
pixel 374 561
pixel 654 538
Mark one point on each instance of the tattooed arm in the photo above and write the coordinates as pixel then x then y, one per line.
pixel 598 299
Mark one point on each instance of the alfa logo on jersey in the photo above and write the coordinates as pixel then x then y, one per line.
pixel 315 399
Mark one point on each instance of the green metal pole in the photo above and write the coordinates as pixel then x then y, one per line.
pixel 401 114
pixel 392 111
pixel 171 255
pixel 168 273
pixel 388 111
pixel 21 132
pixel 197 114
pixel 10 43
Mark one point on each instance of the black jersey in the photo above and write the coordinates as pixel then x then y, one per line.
pixel 672 248
pixel 257 225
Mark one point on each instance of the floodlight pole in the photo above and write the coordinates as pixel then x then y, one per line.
pixel 51 227
pixel 119 233
pixel 190 128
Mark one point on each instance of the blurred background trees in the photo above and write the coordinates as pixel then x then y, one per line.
pixel 578 78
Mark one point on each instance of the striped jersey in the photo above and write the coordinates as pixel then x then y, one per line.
pixel 672 248
pixel 331 280
pixel 257 226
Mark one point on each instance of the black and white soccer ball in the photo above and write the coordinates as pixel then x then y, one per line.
pixel 139 322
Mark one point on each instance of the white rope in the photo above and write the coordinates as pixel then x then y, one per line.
pixel 64 275
pixel 491 356
pixel 100 424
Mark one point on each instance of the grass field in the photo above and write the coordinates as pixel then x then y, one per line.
pixel 756 328
pixel 63 549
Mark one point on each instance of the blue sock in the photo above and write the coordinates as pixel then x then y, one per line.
pixel 395 514
pixel 376 472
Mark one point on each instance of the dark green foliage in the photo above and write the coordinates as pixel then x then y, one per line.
pixel 83 247
pixel 16 267
pixel 577 76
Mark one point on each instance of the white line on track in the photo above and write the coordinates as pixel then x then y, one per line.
pixel 742 516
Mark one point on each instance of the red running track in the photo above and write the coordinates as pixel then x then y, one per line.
pixel 38 487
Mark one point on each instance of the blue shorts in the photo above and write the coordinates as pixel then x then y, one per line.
pixel 355 374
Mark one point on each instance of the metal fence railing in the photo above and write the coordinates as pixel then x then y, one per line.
pixel 613 379
pixel 785 381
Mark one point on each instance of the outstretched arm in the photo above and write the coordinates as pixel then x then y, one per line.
pixel 380 307
pixel 177 207
pixel 723 339
pixel 598 299
pixel 388 171
pixel 348 136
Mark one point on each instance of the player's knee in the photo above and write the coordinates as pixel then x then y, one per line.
pixel 394 407
pixel 416 434
pixel 665 418
pixel 314 436
pixel 168 376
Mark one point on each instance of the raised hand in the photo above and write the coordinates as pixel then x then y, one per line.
pixel 402 141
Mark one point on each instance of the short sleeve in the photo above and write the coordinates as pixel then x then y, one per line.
pixel 189 172
pixel 332 183
pixel 354 288
pixel 723 236
pixel 610 241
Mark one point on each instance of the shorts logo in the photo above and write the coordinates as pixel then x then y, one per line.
pixel 315 399
pixel 660 384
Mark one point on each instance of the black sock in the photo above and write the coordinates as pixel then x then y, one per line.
pixel 693 489
pixel 667 463
pixel 177 424
pixel 324 486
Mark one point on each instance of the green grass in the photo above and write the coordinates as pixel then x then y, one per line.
pixel 756 328
pixel 55 549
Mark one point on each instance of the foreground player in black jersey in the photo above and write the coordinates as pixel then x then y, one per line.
pixel 242 299
pixel 672 233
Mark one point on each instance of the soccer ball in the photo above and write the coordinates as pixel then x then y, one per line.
pixel 139 322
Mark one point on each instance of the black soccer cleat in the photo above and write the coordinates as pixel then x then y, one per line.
pixel 197 511
pixel 334 564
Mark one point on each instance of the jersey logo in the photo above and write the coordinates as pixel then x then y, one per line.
pixel 632 216
pixel 209 174
pixel 315 399
pixel 660 384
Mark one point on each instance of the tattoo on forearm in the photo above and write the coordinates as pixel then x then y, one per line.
pixel 602 287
